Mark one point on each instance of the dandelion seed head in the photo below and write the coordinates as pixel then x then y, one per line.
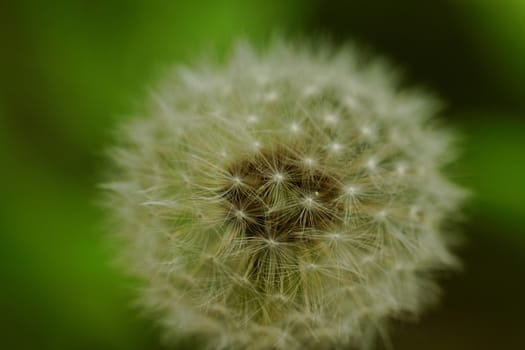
pixel 284 200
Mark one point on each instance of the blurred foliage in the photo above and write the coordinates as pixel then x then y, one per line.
pixel 71 70
pixel 498 28
pixel 494 168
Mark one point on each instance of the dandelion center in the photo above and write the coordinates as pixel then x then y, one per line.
pixel 281 197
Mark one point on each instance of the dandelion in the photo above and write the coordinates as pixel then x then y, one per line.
pixel 291 199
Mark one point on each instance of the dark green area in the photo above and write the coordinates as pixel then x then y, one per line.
pixel 71 70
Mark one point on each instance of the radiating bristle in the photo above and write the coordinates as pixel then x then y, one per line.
pixel 287 200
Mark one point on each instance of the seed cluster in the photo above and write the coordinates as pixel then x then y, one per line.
pixel 277 195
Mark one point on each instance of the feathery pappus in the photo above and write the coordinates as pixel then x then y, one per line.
pixel 287 199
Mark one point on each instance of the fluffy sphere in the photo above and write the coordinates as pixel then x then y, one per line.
pixel 291 199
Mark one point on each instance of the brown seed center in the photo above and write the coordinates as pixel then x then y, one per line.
pixel 279 195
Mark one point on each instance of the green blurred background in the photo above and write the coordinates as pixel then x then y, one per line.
pixel 71 70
